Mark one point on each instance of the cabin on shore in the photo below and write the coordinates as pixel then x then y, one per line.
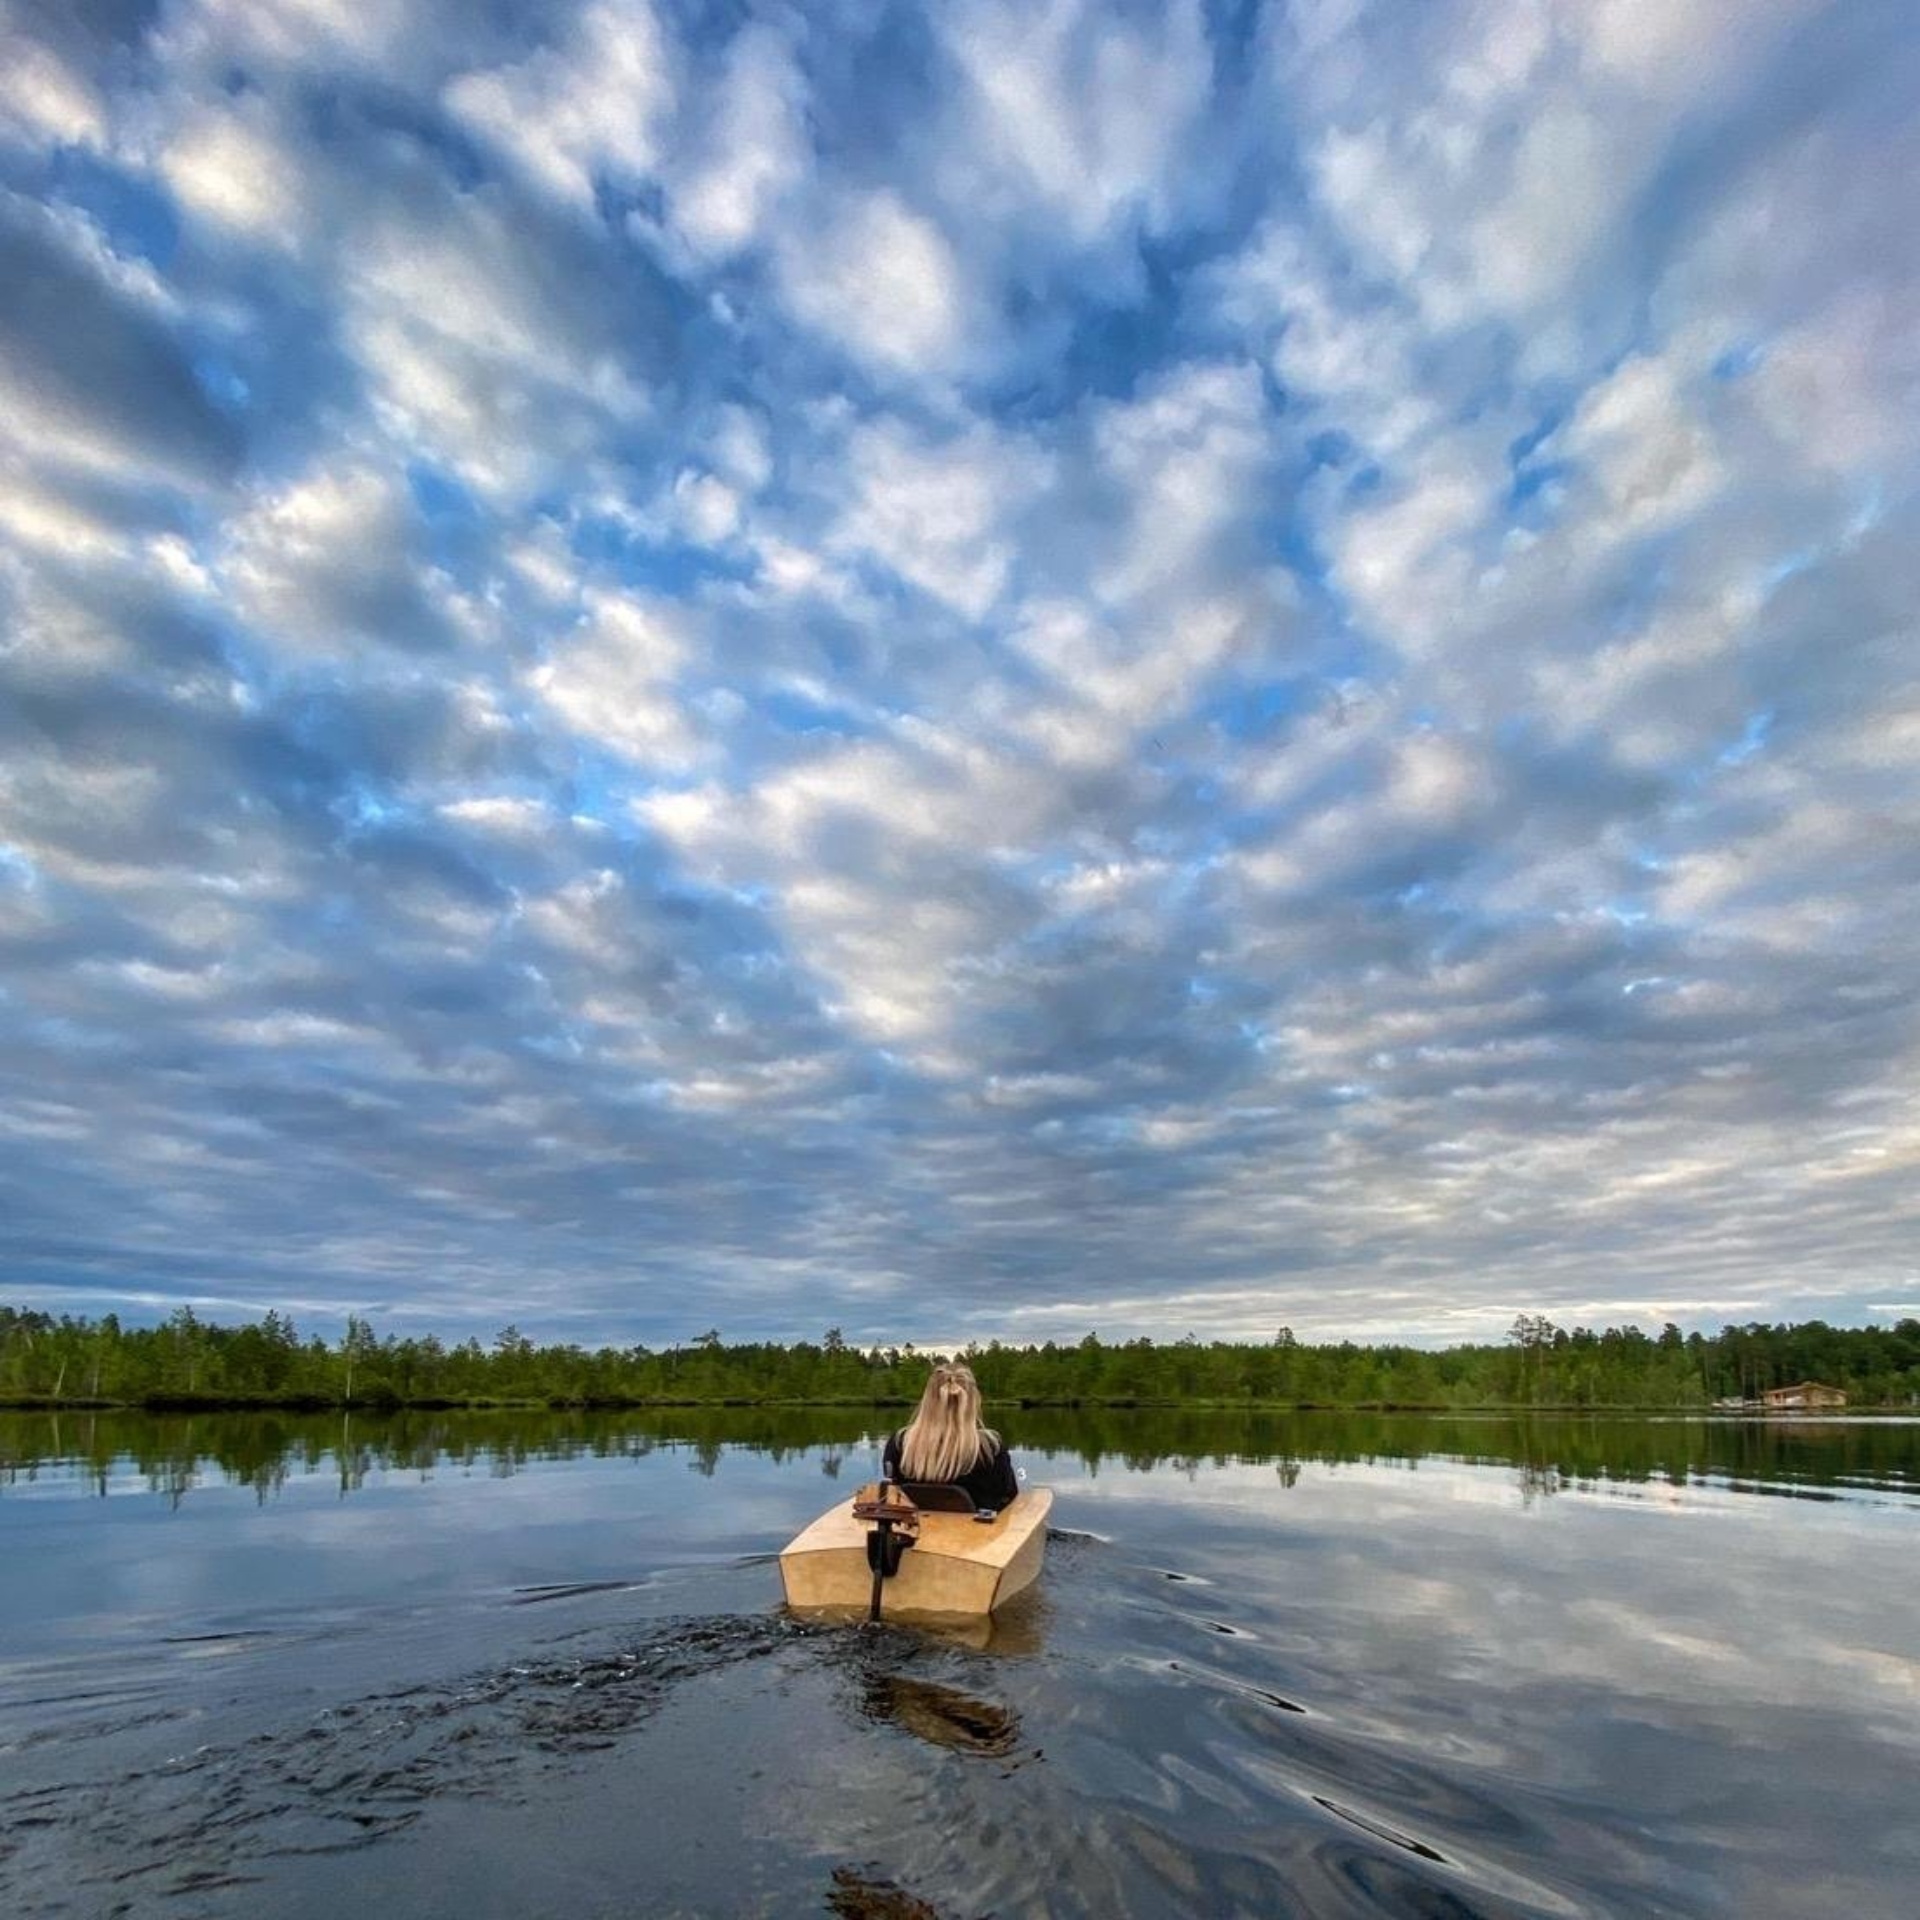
pixel 1809 1393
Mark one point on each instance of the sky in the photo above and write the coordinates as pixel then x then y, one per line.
pixel 981 671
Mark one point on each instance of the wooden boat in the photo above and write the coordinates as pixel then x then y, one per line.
pixel 957 1566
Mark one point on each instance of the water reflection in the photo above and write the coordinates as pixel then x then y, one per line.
pixel 942 1716
pixel 1017 1631
pixel 171 1456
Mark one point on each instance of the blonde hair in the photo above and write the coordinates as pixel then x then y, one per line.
pixel 945 1439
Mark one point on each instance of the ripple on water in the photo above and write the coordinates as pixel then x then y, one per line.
pixel 571 1590
pixel 1214 1678
pixel 1380 1830
pixel 1221 1752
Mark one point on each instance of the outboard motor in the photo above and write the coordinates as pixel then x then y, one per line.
pixel 893 1523
pixel 885 1550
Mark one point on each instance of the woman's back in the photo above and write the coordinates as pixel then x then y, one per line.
pixel 989 1482
pixel 946 1444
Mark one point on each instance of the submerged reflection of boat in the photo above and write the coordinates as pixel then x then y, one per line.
pixel 942 1716
pixel 925 1564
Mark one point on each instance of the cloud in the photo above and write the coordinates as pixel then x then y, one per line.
pixel 939 513
pixel 612 680
pixel 1075 121
pixel 1092 666
pixel 43 100
pixel 488 338
pixel 754 150
pixel 93 369
pixel 331 563
pixel 230 168
pixel 583 107
pixel 403 41
pixel 879 279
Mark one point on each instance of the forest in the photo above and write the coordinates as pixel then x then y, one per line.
pixel 186 1362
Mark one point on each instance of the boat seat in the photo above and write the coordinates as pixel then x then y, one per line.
pixel 932 1497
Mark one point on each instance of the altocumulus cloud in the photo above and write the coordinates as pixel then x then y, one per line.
pixel 987 671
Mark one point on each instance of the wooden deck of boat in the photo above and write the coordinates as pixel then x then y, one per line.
pixel 960 1568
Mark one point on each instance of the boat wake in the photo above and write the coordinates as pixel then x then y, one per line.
pixel 209 1816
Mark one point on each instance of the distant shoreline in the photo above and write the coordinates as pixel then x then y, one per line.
pixel 186 1364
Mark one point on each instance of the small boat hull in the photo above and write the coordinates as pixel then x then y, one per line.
pixel 959 1569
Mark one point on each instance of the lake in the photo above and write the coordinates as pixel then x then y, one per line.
pixel 536 1664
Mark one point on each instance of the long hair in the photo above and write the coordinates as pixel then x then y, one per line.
pixel 945 1439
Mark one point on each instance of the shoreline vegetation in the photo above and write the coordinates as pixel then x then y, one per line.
pixel 186 1364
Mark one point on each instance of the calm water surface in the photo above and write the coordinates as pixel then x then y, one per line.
pixel 532 1665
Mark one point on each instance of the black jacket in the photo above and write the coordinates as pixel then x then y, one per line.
pixel 989 1482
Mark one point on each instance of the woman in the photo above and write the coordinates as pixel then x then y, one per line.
pixel 945 1444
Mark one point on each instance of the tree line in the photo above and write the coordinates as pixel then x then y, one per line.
pixel 186 1361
